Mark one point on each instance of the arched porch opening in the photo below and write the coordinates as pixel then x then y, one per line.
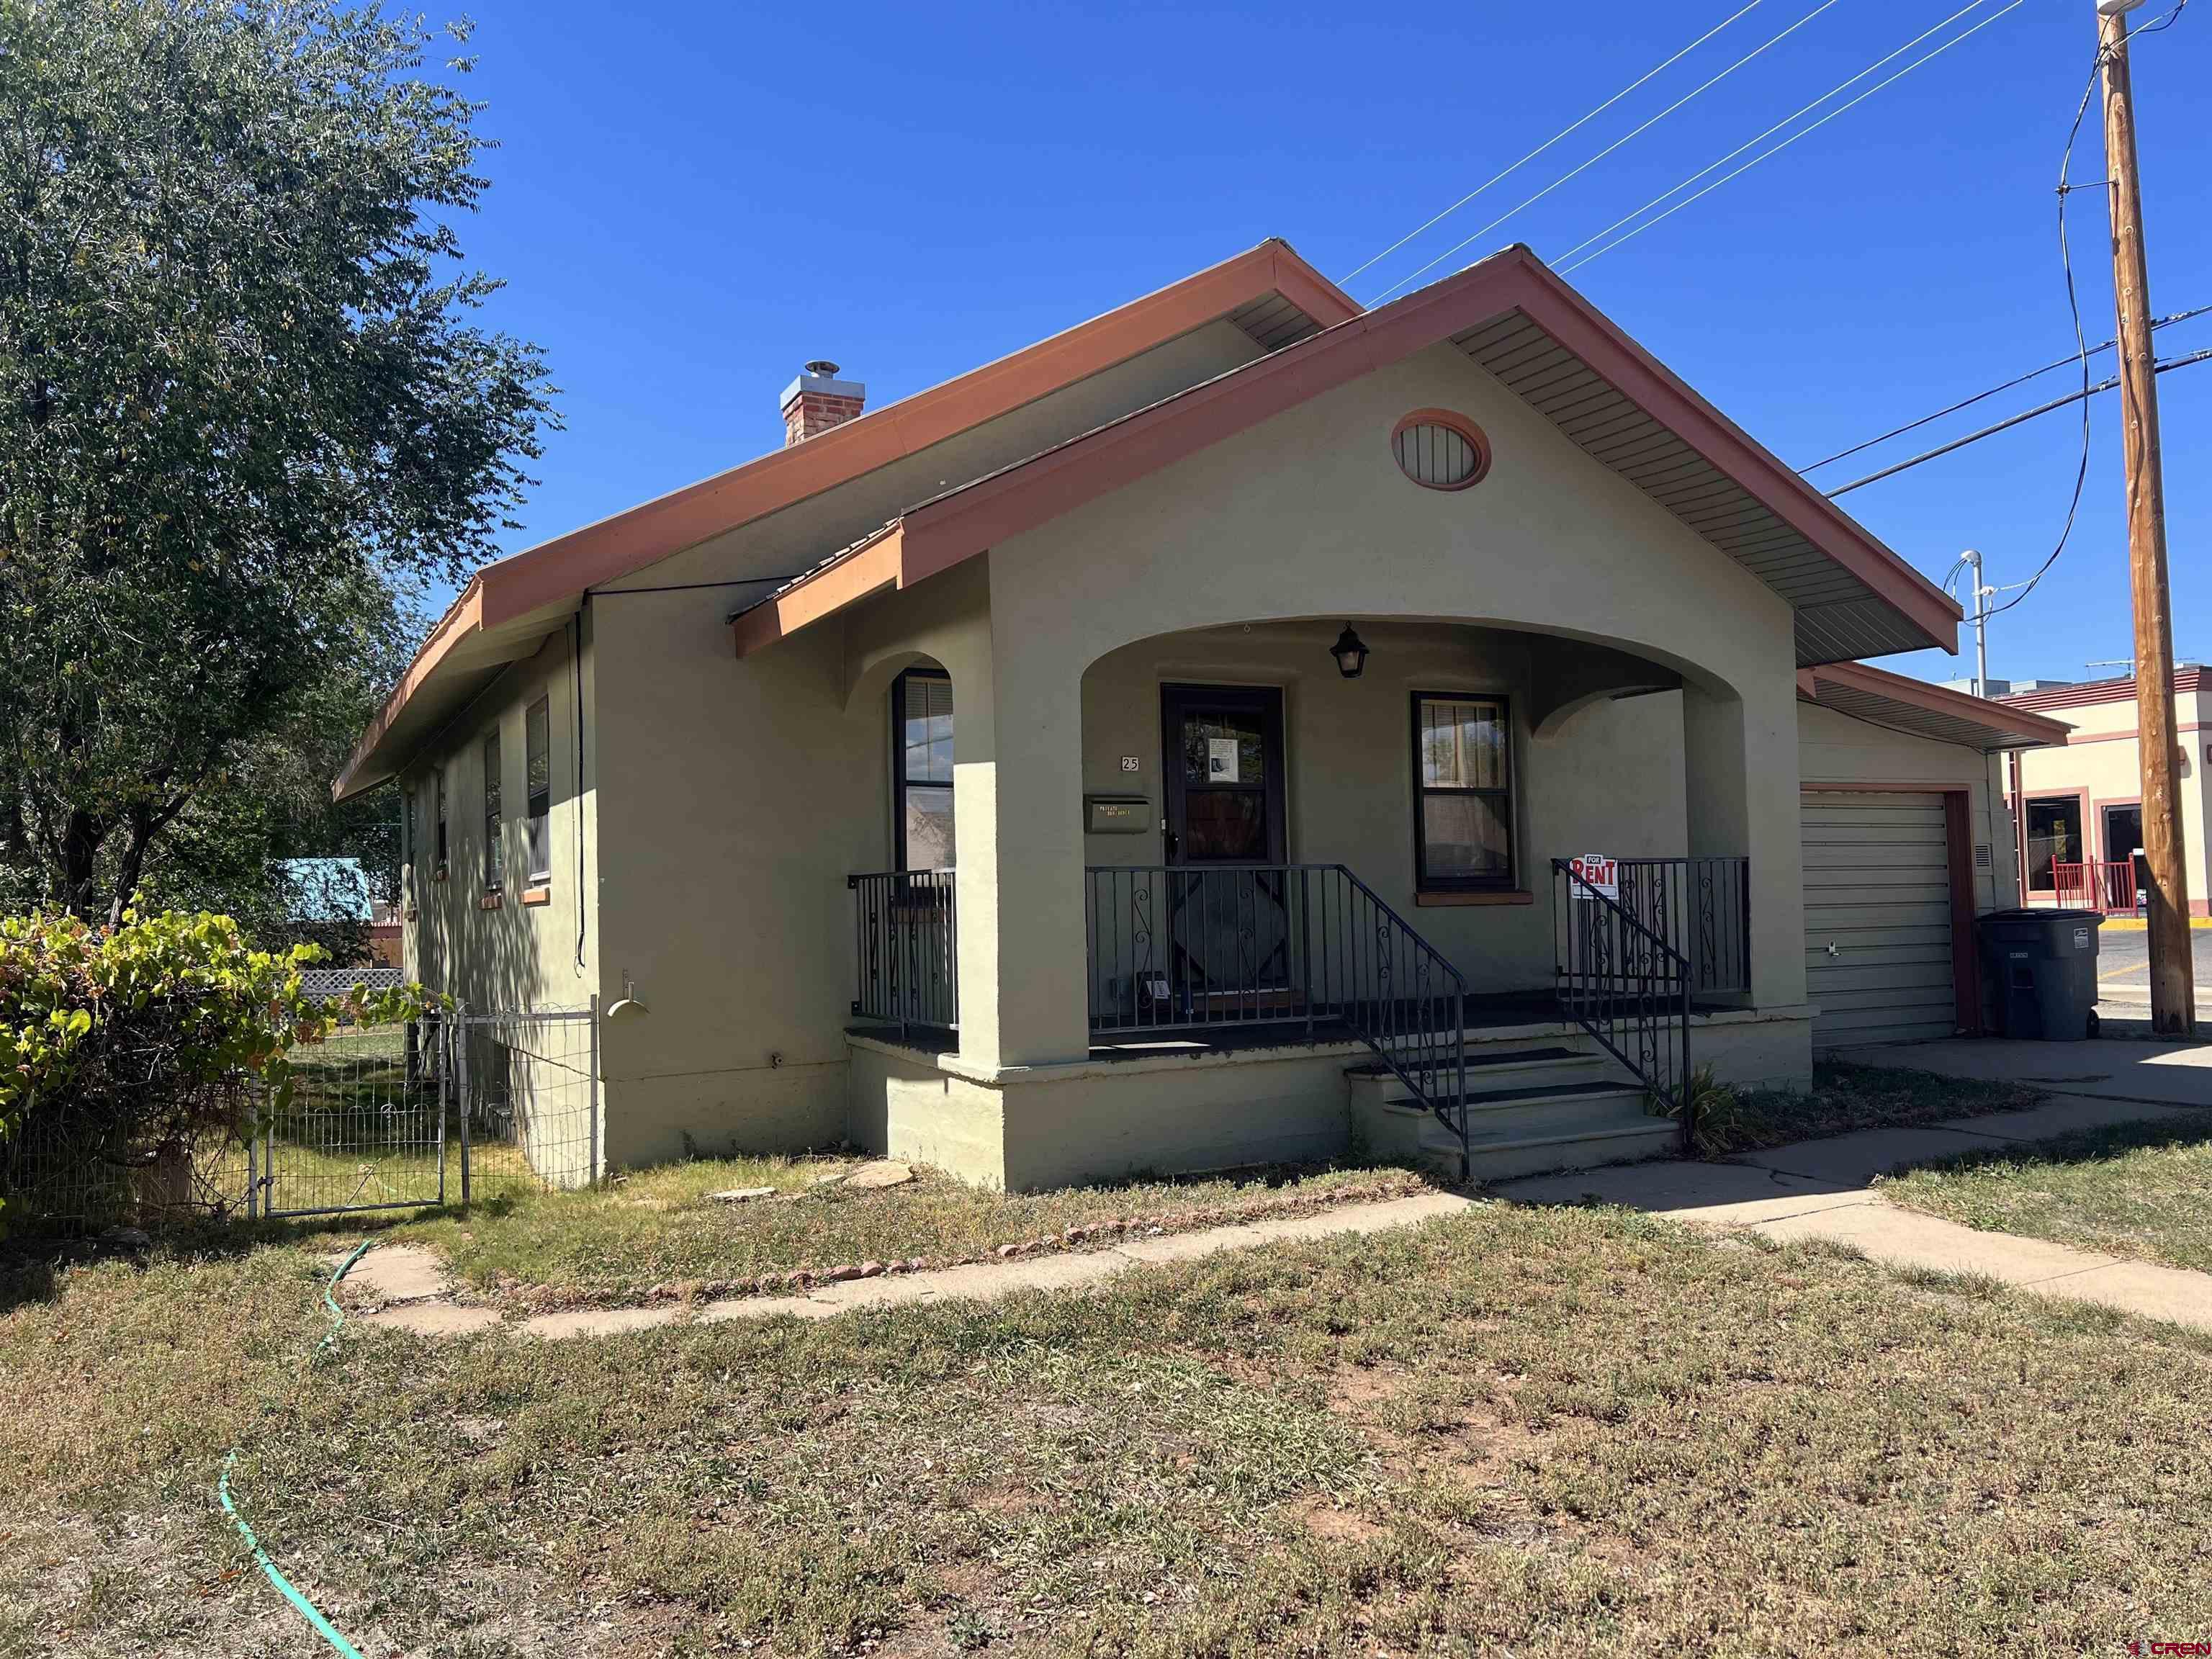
pixel 1251 813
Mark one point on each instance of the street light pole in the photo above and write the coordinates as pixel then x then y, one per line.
pixel 2172 979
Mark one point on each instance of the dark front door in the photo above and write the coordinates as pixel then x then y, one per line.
pixel 1224 771
pixel 1223 767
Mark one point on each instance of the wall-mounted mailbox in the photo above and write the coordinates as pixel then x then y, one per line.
pixel 1117 815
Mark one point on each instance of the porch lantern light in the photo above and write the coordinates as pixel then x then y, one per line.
pixel 1350 654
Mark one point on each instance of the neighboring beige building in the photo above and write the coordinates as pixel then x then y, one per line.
pixel 1162 748
pixel 2079 808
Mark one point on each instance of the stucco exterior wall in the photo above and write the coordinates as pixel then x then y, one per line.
pixel 1608 777
pixel 732 797
pixel 508 955
pixel 1834 747
pixel 1306 517
pixel 2101 766
pixel 737 798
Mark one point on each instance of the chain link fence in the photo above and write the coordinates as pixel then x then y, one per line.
pixel 458 1107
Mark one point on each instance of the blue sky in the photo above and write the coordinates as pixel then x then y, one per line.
pixel 689 205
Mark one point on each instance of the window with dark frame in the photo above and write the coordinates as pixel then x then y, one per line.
pixel 921 771
pixel 440 792
pixel 537 781
pixel 1462 792
pixel 493 867
pixel 2054 836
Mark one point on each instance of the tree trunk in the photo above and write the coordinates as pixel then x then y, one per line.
pixel 80 871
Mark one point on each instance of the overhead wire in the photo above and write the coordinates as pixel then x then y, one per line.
pixel 2080 341
pixel 2011 421
pixel 1804 131
pixel 2003 386
pixel 1971 5
pixel 1572 126
pixel 2165 20
pixel 1636 132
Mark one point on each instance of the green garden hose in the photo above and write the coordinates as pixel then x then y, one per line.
pixel 308 1610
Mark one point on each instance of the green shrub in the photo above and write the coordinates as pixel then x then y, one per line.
pixel 123 1048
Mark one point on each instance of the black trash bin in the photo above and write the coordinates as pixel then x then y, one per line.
pixel 2043 964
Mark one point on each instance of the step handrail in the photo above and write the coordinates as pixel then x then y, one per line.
pixel 1437 1075
pixel 1627 986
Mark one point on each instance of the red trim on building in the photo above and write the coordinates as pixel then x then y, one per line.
pixel 2186 678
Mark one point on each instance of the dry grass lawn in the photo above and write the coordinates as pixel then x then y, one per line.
pixel 2135 1189
pixel 658 1228
pixel 1845 1098
pixel 1546 1433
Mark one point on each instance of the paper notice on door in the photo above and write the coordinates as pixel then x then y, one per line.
pixel 1221 760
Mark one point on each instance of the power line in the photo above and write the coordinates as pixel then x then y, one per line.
pixel 1583 121
pixel 1772 40
pixel 2006 386
pixel 1971 5
pixel 2080 341
pixel 2011 421
pixel 1802 132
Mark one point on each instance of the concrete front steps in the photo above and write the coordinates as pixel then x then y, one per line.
pixel 1531 1109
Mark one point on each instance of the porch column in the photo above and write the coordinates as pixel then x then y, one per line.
pixel 1018 820
pixel 1741 789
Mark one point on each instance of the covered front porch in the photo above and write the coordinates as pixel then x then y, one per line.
pixel 1285 869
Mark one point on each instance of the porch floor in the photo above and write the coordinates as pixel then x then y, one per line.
pixel 1489 1011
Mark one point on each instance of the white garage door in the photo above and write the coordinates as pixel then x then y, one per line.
pixel 1877 918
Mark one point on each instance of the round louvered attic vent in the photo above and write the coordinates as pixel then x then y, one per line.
pixel 1440 450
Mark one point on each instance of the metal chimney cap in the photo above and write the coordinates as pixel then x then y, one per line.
pixel 822 366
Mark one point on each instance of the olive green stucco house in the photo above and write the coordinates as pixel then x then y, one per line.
pixel 1242 726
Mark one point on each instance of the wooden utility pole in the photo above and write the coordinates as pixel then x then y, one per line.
pixel 2173 977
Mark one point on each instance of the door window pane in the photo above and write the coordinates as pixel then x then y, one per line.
pixel 1225 825
pixel 1224 750
pixel 2054 836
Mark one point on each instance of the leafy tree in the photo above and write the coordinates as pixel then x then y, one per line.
pixel 248 412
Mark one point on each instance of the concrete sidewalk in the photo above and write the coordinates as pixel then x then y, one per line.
pixel 1822 1189
pixel 2104 1068
pixel 405 1286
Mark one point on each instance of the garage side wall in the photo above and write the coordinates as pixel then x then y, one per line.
pixel 1834 747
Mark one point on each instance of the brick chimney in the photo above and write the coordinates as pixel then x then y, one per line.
pixel 818 400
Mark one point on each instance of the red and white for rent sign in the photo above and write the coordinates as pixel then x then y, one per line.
pixel 1601 873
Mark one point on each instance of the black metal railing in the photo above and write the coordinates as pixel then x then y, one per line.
pixel 1700 906
pixel 1304 946
pixel 906 940
pixel 1626 984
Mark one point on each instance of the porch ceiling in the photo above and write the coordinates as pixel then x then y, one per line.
pixel 1838 615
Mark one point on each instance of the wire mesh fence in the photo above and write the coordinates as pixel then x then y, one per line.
pixel 461 1106
pixel 58 1173
pixel 526 1082
pixel 363 1127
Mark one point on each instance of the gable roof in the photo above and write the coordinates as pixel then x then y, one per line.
pixel 1510 313
pixel 1876 695
pixel 509 607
